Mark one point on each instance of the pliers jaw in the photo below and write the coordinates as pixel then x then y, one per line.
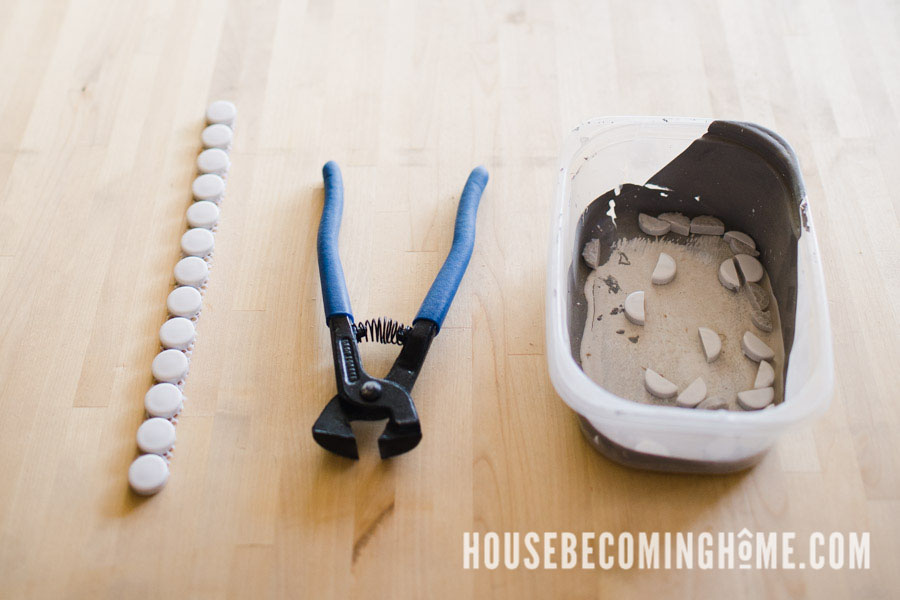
pixel 332 431
pixel 362 397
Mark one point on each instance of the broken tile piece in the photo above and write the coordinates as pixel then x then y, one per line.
pixel 679 223
pixel 738 247
pixel 765 375
pixel 712 343
pixel 707 225
pixel 756 349
pixel 728 275
pixel 756 399
pixel 591 253
pixel 739 236
pixel 713 403
pixel 762 319
pixel 758 296
pixel 664 272
pixel 634 307
pixel 658 385
pixel 652 225
pixel 750 268
pixel 693 394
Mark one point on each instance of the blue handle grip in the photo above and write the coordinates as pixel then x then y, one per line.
pixel 331 273
pixel 436 304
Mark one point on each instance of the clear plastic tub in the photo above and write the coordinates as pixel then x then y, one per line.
pixel 603 154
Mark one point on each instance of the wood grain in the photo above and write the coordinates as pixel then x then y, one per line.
pixel 101 109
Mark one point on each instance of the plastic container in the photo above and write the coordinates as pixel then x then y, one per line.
pixel 603 154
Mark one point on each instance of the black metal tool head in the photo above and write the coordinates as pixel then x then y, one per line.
pixel 333 432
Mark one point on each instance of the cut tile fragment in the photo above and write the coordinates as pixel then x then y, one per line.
pixel 652 225
pixel 762 319
pixel 591 253
pixel 728 275
pixel 713 403
pixel 693 394
pixel 658 385
pixel 756 349
pixel 712 343
pixel 758 296
pixel 740 243
pixel 634 307
pixel 750 268
pixel 756 399
pixel 678 223
pixel 664 272
pixel 707 225
pixel 765 375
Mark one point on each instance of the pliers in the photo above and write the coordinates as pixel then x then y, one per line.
pixel 361 397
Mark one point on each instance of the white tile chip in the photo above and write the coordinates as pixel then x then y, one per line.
pixel 755 349
pixel 203 214
pixel 740 243
pixel 148 474
pixel 163 400
pixel 634 307
pixel 217 136
pixel 208 186
pixel 739 236
pixel 713 403
pixel 591 253
pixel 169 366
pixel 156 436
pixel 192 271
pixel 728 275
pixel 756 399
pixel 184 301
pixel 652 225
pixel 221 111
pixel 664 272
pixel 758 296
pixel 197 242
pixel 765 375
pixel 711 342
pixel 707 225
pixel 750 268
pixel 178 333
pixel 213 160
pixel 658 385
pixel 693 394
pixel 762 319
pixel 678 223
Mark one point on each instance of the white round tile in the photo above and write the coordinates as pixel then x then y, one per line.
pixel 192 271
pixel 221 111
pixel 204 214
pixel 213 160
pixel 208 187
pixel 169 366
pixel 178 333
pixel 184 301
pixel 217 136
pixel 197 242
pixel 163 400
pixel 156 436
pixel 148 474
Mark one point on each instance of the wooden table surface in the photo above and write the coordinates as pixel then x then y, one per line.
pixel 101 109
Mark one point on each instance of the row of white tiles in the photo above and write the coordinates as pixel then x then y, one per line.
pixel 163 402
